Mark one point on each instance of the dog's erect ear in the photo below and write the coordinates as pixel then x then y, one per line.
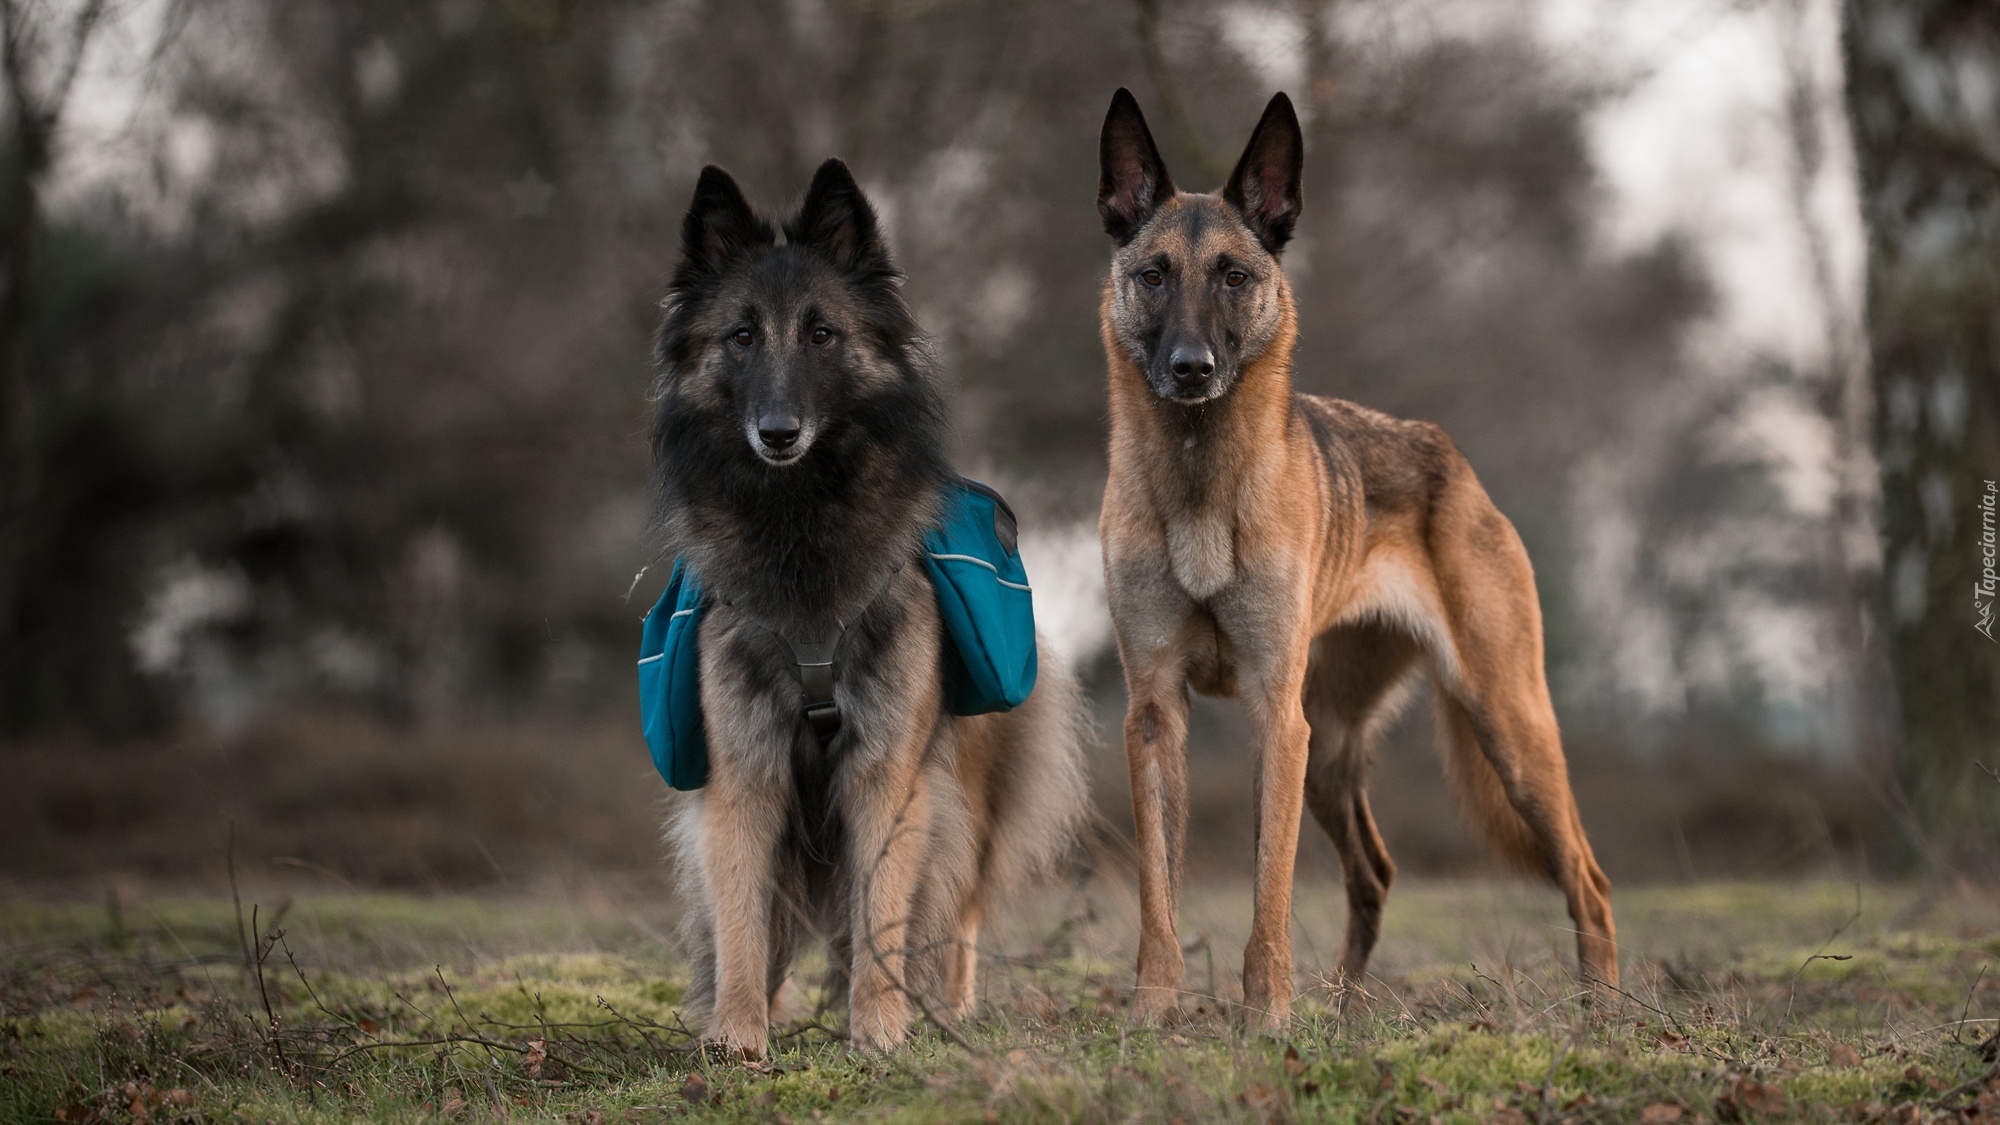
pixel 720 224
pixel 1267 184
pixel 1132 180
pixel 837 220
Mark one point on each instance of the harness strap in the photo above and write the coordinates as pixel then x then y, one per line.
pixel 818 661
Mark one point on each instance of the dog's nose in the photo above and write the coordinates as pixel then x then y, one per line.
pixel 1192 364
pixel 778 432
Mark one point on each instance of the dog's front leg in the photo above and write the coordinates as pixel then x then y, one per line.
pixel 740 827
pixel 1156 755
pixel 1280 735
pixel 889 821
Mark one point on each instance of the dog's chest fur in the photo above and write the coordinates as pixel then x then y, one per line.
pixel 1198 512
pixel 1201 546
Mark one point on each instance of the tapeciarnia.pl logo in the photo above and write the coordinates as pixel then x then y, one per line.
pixel 1989 583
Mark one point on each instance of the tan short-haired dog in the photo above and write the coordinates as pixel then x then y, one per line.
pixel 1308 555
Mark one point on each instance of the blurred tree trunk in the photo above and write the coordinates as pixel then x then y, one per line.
pixel 1922 78
pixel 41 65
pixel 1816 127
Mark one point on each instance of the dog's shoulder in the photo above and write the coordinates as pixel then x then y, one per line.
pixel 1400 462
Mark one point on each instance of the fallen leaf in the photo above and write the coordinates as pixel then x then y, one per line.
pixel 1507 1115
pixel 1758 1097
pixel 1294 1066
pixel 1660 1113
pixel 1259 1096
pixel 1844 1055
pixel 1673 1040
pixel 367 1025
pixel 694 1091
pixel 1178 1040
pixel 536 1055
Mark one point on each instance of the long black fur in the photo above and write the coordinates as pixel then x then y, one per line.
pixel 797 545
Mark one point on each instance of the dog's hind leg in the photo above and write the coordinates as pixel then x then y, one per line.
pixel 1513 784
pixel 790 927
pixel 962 967
pixel 1502 749
pixel 1358 676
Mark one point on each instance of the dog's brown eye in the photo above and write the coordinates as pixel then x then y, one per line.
pixel 822 335
pixel 742 337
pixel 1152 278
pixel 1235 278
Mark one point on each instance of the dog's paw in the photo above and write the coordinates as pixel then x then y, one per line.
pixel 1156 1007
pixel 1270 1018
pixel 878 1041
pixel 725 1050
pixel 878 1018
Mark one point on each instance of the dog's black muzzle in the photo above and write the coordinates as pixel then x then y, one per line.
pixel 1188 373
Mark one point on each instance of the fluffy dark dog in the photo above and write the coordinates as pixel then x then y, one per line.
pixel 801 444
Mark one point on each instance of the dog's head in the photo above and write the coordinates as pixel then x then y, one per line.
pixel 1197 293
pixel 781 335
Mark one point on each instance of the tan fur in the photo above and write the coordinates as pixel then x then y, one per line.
pixel 1311 576
pixel 944 816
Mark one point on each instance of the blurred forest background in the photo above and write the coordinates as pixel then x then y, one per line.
pixel 324 378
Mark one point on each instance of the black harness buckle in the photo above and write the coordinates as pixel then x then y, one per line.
pixel 815 659
pixel 818 661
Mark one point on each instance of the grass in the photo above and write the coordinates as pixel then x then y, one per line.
pixel 1744 1002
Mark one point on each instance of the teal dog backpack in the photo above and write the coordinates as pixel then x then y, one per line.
pixel 973 558
pixel 670 683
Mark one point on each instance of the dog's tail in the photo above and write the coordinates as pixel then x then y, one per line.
pixel 1041 792
pixel 1481 798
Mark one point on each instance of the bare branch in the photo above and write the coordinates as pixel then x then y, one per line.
pixel 79 42
pixel 1212 167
